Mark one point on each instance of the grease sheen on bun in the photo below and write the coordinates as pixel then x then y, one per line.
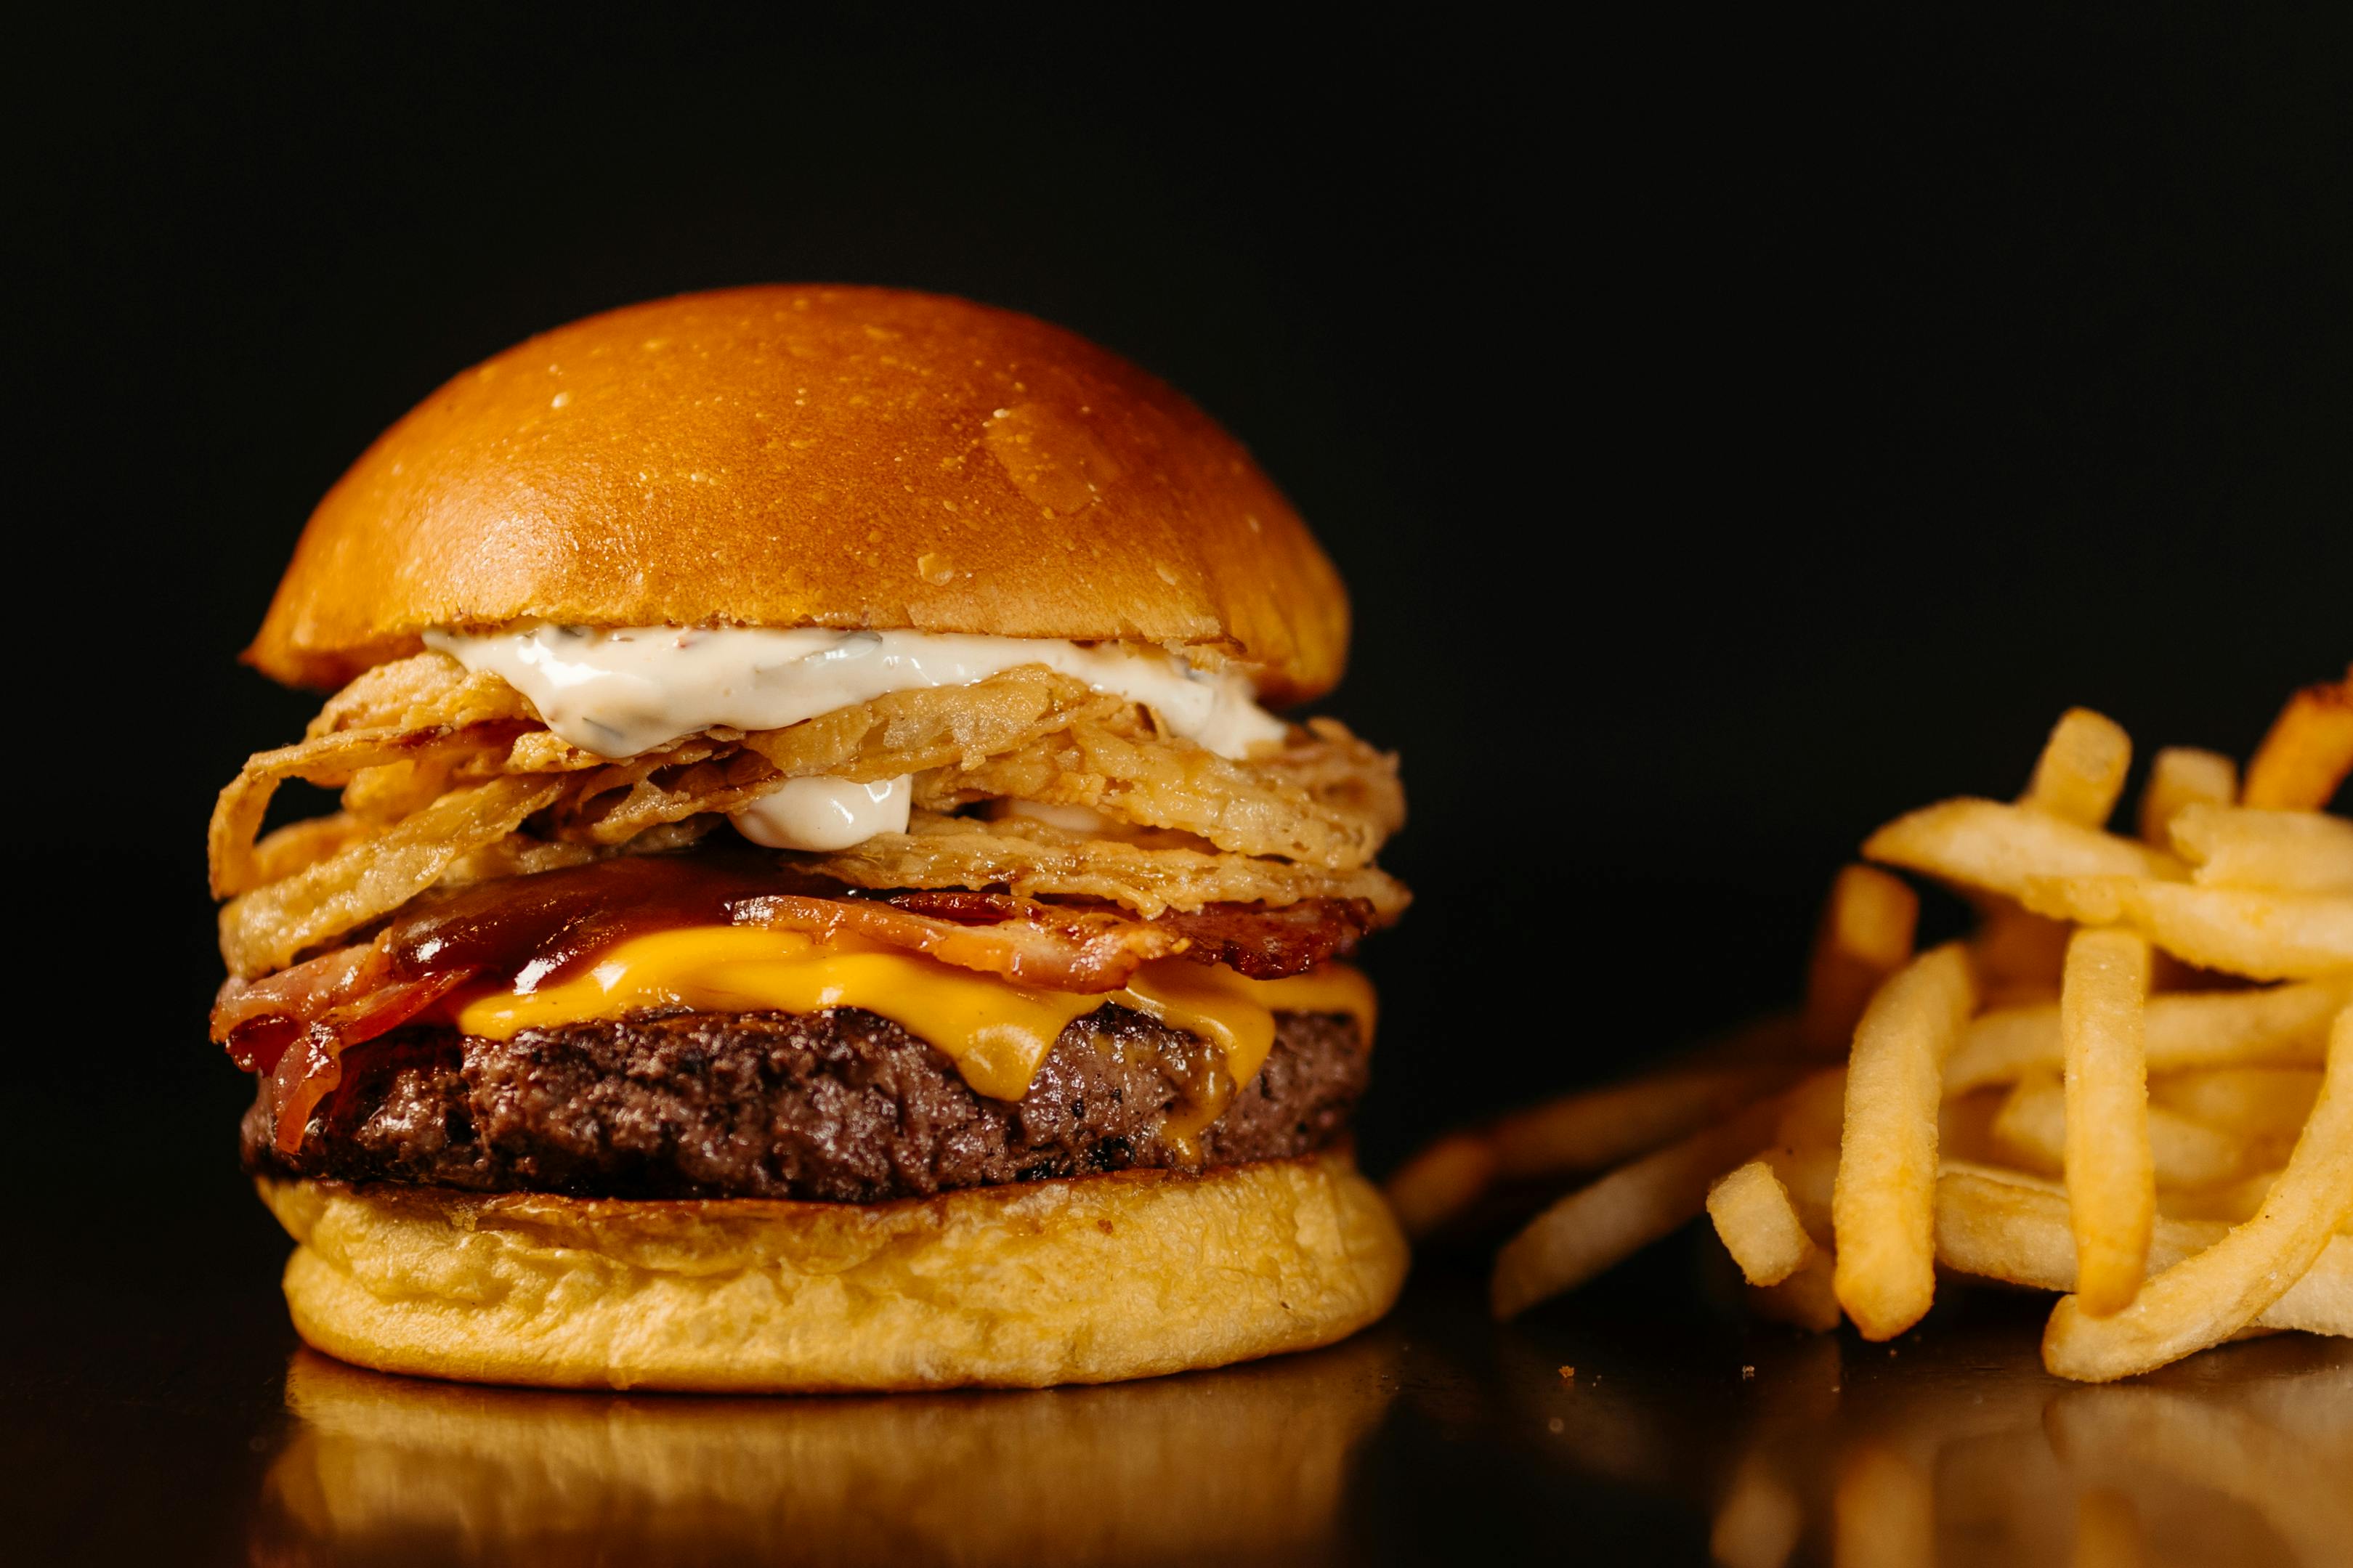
pixel 1104 1278
pixel 810 456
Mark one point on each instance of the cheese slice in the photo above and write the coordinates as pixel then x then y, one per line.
pixel 997 1032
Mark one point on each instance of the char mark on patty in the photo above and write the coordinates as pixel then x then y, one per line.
pixel 841 1106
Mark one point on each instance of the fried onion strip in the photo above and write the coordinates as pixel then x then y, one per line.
pixel 267 928
pixel 1033 859
pixel 440 768
pixel 1168 781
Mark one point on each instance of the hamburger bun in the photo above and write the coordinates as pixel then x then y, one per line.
pixel 1103 1277
pixel 810 457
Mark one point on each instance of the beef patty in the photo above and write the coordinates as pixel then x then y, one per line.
pixel 839 1105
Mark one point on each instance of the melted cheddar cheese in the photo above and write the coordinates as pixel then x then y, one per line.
pixel 996 1031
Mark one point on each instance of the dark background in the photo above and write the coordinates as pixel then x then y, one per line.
pixel 1735 429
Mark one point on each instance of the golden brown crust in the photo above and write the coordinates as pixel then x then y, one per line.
pixel 809 456
pixel 1155 1272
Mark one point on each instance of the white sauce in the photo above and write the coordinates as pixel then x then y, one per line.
pixel 825 813
pixel 624 691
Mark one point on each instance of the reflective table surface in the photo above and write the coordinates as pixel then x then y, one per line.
pixel 172 1417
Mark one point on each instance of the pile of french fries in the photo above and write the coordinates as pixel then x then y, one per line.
pixel 2132 1084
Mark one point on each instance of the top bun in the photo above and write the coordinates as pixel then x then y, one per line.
pixel 810 457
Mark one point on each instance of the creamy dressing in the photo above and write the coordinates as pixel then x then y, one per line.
pixel 620 692
pixel 825 813
pixel 624 691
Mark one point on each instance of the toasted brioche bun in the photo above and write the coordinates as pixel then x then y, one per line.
pixel 804 455
pixel 1089 1280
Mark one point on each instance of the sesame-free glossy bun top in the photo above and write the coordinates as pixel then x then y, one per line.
pixel 797 456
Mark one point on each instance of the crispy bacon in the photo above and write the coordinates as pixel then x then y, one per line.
pixel 1269 943
pixel 1042 945
pixel 295 1025
pixel 1265 944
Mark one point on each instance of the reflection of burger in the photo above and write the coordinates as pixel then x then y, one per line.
pixel 817 900
pixel 1252 1467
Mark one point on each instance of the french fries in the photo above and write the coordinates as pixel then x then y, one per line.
pixel 1605 1224
pixel 2081 773
pixel 1883 1210
pixel 2132 1084
pixel 2207 1299
pixel 1758 1224
pixel 2180 776
pixel 2031 1129
pixel 1591 1131
pixel 1442 1182
pixel 2276 851
pixel 1866 936
pixel 2265 936
pixel 1997 848
pixel 2285 1026
pixel 2261 1105
pixel 2111 1176
pixel 2308 752
pixel 1992 1226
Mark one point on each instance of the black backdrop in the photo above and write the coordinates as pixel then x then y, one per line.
pixel 1735 429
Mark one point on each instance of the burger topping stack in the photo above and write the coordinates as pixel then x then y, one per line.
pixel 1206 891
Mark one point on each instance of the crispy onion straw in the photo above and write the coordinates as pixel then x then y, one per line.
pixel 450 778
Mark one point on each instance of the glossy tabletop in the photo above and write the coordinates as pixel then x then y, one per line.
pixel 180 1421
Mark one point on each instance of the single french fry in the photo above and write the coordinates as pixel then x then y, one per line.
pixel 2180 776
pixel 1598 1128
pixel 2232 1203
pixel 2007 1176
pixel 2308 752
pixel 1813 1112
pixel 2257 1104
pixel 1601 1224
pixel 2111 1176
pixel 2081 773
pixel 1758 1224
pixel 1998 848
pixel 1882 1208
pixel 2014 952
pixel 1808 1173
pixel 1965 1124
pixel 1866 936
pixel 2207 1299
pixel 2265 936
pixel 1998 1226
pixel 2284 1026
pixel 1443 1182
pixel 2276 851
pixel 2031 1127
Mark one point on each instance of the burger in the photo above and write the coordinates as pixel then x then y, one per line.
pixel 821 898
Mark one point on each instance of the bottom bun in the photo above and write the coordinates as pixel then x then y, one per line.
pixel 1091 1280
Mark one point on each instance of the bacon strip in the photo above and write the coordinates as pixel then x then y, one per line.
pixel 1040 945
pixel 1264 942
pixel 295 1025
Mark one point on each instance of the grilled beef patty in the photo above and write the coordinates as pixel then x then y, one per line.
pixel 840 1106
